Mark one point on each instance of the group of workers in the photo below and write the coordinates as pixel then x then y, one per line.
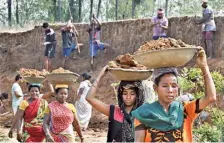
pixel 133 119
pixel 36 121
pixel 70 41
pixel 160 25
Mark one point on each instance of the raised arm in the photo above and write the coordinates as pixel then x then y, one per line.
pixel 50 93
pixel 97 21
pixel 97 104
pixel 210 91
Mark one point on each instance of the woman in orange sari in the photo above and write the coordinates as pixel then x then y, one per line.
pixel 60 118
pixel 32 111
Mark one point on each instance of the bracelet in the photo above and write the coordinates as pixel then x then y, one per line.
pixel 205 74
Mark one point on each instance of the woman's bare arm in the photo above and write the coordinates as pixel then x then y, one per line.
pixel 97 104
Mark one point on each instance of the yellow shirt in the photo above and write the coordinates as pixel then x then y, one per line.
pixel 69 105
pixel 24 104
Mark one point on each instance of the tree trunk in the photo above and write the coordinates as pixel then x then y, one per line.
pixel 17 12
pixel 80 10
pixel 166 7
pixel 55 9
pixel 133 9
pixel 98 10
pixel 9 12
pixel 116 9
pixel 153 7
pixel 59 10
pixel 91 9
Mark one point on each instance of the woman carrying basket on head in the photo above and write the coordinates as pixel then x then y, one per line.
pixel 130 96
pixel 167 120
pixel 60 118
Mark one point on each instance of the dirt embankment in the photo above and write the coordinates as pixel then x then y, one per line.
pixel 26 50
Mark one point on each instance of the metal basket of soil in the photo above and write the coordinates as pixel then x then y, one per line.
pixel 33 79
pixel 62 78
pixel 129 74
pixel 171 57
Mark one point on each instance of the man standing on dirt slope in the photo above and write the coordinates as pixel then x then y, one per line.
pixel 94 39
pixel 17 94
pixel 208 28
pixel 50 43
pixel 68 33
pixel 160 25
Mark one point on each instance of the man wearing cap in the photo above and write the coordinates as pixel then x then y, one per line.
pixel 208 27
pixel 160 25
pixel 68 33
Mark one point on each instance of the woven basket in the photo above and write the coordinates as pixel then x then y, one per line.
pixel 33 79
pixel 129 74
pixel 62 78
pixel 173 57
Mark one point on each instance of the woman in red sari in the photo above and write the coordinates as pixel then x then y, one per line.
pixel 60 118
pixel 32 111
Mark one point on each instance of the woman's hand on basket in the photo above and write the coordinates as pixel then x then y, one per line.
pixel 103 72
pixel 201 60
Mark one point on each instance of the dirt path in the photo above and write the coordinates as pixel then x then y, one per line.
pixel 91 135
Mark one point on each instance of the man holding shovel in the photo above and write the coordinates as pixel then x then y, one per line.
pixel 94 39
pixel 68 33
pixel 208 28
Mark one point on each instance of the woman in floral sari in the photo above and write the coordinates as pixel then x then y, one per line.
pixel 60 117
pixel 32 111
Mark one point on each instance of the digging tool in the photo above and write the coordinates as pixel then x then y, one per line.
pixel 93 31
pixel 76 39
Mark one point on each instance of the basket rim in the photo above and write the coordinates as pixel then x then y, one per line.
pixel 33 77
pixel 63 74
pixel 128 70
pixel 168 49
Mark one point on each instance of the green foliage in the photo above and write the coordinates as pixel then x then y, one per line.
pixel 199 94
pixel 213 132
pixel 192 81
pixel 207 133
pixel 185 84
pixel 219 81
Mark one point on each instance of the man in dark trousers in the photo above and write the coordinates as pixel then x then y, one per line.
pixel 50 43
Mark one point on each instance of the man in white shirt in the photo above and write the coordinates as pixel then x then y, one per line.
pixel 17 94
